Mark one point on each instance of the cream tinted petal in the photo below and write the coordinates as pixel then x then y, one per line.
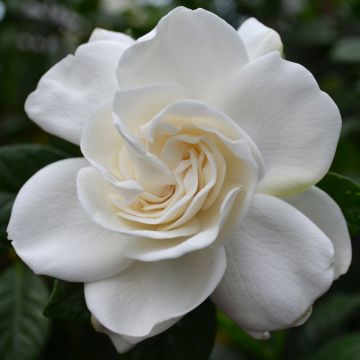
pixel 143 300
pixel 289 118
pixel 54 236
pixel 95 195
pixel 279 263
pixel 201 115
pixel 211 222
pixel 148 169
pixel 323 211
pixel 259 39
pixel 75 89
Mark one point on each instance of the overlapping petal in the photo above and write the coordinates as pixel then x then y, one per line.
pixel 75 89
pixel 52 233
pixel 295 125
pixel 321 209
pixel 195 49
pixel 105 35
pixel 98 197
pixel 148 298
pixel 259 39
pixel 279 263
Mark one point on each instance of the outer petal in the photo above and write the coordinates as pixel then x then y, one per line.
pixel 279 263
pixel 295 125
pixel 148 298
pixel 101 34
pixel 259 39
pixel 326 214
pixel 195 49
pixel 121 345
pixel 54 236
pixel 74 90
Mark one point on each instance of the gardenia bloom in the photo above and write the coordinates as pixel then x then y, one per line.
pixel 201 149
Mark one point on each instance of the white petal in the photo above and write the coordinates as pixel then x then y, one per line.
pixel 279 263
pixel 320 208
pixel 147 298
pixel 153 99
pixel 259 39
pixel 295 125
pixel 73 91
pixel 121 345
pixel 195 49
pixel 101 145
pixel 152 174
pixel 106 35
pixel 100 141
pixel 54 236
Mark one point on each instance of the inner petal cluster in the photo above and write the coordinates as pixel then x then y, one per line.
pixel 199 170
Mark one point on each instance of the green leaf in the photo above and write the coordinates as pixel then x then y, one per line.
pixel 192 338
pixel 23 328
pixel 345 348
pixel 347 51
pixel 19 162
pixel 67 301
pixel 347 195
pixel 329 317
pixel 229 333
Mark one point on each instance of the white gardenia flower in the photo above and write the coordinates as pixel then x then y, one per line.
pixel 201 149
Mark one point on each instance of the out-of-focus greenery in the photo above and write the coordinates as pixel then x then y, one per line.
pixel 323 35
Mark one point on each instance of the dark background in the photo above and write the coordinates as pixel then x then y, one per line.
pixel 324 36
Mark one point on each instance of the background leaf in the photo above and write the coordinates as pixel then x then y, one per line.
pixel 330 317
pixel 345 348
pixel 23 328
pixel 244 344
pixel 347 195
pixel 67 301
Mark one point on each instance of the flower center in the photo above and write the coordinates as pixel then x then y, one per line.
pixel 199 170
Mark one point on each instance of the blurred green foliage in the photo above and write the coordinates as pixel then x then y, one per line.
pixel 323 35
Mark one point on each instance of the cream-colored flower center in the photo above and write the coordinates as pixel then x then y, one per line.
pixel 198 169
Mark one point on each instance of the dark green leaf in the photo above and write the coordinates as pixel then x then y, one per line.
pixel 19 162
pixel 347 195
pixel 345 348
pixel 23 328
pixel 192 338
pixel 328 318
pixel 67 301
